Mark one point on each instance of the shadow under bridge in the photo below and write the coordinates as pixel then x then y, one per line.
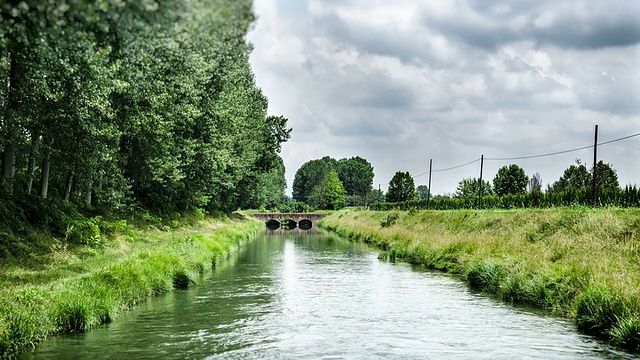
pixel 303 221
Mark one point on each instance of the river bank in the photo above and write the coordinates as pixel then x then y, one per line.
pixel 76 289
pixel 579 263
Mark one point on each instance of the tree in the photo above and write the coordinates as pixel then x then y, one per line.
pixel 331 194
pixel 575 177
pixel 606 177
pixel 268 191
pixel 309 176
pixel 401 188
pixel 535 183
pixel 468 188
pixel 376 196
pixel 356 174
pixel 137 102
pixel 423 192
pixel 510 179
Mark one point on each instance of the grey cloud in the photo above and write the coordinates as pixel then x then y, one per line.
pixel 605 24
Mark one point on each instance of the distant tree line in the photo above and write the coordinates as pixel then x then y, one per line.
pixel 144 104
pixel 328 183
pixel 512 188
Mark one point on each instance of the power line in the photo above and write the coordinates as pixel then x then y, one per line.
pixel 530 156
pixel 450 168
pixel 561 152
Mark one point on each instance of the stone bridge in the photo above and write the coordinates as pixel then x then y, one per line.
pixel 303 221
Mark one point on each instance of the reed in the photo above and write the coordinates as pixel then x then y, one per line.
pixel 581 263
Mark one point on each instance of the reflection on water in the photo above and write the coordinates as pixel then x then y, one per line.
pixel 300 294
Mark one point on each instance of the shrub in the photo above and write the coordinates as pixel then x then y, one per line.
pixel 390 220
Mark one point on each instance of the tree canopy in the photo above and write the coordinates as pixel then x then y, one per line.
pixel 137 103
pixel 355 174
pixel 401 187
pixel 510 179
pixel 469 188
pixel 422 192
pixel 574 177
pixel 577 177
pixel 311 175
pixel 330 195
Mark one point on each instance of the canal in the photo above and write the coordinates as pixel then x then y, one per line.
pixel 312 296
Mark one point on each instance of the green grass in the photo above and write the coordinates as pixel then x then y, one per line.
pixel 581 263
pixel 86 286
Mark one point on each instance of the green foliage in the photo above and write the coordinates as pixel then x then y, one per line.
pixel 377 196
pixel 627 197
pixel 598 310
pixel 390 220
pixel 137 105
pixel 401 188
pixel 469 188
pixel 311 175
pixel 84 231
pixel 30 313
pixel 626 333
pixel 422 192
pixel 356 175
pixel 575 177
pixel 606 177
pixel 294 207
pixel 510 180
pixel 330 195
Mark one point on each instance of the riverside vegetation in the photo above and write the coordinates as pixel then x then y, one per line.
pixel 76 286
pixel 581 263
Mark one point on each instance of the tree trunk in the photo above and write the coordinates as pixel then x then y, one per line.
pixel 11 123
pixel 46 162
pixel 8 166
pixel 67 191
pixel 88 195
pixel 32 162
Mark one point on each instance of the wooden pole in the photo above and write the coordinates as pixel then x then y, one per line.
pixel 480 182
pixel 429 189
pixel 595 163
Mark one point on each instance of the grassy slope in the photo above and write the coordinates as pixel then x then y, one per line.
pixel 75 289
pixel 580 263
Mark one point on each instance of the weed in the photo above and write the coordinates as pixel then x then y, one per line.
pixel 390 220
pixel 626 333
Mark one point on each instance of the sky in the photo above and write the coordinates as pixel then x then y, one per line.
pixel 405 81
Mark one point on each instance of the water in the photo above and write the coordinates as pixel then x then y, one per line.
pixel 321 297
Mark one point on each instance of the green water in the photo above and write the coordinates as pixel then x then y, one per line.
pixel 317 296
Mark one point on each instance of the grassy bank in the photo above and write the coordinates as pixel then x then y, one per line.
pixel 75 288
pixel 577 262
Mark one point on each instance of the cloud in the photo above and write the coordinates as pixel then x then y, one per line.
pixel 401 82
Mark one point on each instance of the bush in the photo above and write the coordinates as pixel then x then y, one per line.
pixel 390 220
pixel 84 231
pixel 627 197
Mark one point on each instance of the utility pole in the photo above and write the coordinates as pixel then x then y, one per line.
pixel 593 176
pixel 480 182
pixel 379 192
pixel 429 189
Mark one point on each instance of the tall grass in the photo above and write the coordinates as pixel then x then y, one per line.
pixel 30 313
pixel 580 263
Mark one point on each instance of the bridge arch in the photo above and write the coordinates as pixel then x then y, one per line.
pixel 303 221
pixel 272 224
pixel 305 224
